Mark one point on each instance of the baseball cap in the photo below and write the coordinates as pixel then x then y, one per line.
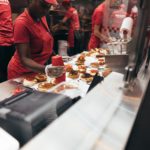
pixel 54 2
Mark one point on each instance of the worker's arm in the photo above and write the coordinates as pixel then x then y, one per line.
pixel 26 60
pixel 101 36
pixel 64 20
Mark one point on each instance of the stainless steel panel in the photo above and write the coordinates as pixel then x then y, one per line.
pixel 8 89
pixel 101 121
pixel 117 62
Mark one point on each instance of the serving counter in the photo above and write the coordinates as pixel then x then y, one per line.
pixel 100 121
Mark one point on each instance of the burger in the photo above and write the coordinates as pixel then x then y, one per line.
pixel 78 63
pixel 68 67
pixel 41 77
pixel 104 51
pixel 92 52
pixel 73 74
pixel 29 81
pixel 45 86
pixel 82 69
pixel 99 55
pixel 97 49
pixel 87 77
pixel 101 61
pixel 80 60
pixel 95 64
pixel 93 72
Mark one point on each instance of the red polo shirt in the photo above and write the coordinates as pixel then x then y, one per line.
pixel 72 15
pixel 117 18
pixel 6 26
pixel 26 30
pixel 97 19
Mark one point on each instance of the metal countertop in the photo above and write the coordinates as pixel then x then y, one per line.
pixel 100 121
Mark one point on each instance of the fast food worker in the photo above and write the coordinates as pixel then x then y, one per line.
pixel 97 34
pixel 34 42
pixel 74 37
pixel 6 38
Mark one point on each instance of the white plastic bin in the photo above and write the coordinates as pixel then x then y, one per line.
pixel 62 47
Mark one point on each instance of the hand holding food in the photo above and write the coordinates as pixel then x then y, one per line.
pixel 54 71
pixel 58 61
pixel 55 27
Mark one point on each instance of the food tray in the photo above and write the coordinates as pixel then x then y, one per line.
pixel 82 85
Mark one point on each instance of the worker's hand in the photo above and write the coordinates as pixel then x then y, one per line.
pixel 55 28
pixel 106 39
pixel 54 71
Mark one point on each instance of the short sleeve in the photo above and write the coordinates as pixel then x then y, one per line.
pixel 98 18
pixel 68 14
pixel 21 33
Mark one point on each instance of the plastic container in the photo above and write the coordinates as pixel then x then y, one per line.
pixel 58 61
pixel 62 47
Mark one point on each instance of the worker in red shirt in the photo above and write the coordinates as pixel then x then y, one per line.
pixel 6 38
pixel 98 35
pixel 117 16
pixel 74 37
pixel 34 42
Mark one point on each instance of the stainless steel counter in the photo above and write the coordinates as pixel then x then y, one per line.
pixel 9 88
pixel 117 62
pixel 100 121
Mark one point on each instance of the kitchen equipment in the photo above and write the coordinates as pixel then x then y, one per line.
pixel 25 114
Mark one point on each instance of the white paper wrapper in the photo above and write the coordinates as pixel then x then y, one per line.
pixel 76 88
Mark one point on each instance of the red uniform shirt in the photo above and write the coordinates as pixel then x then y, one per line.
pixel 97 19
pixel 117 18
pixel 72 15
pixel 6 26
pixel 26 30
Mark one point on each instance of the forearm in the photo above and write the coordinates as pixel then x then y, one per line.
pixel 32 65
pixel 100 35
pixel 52 71
pixel 64 20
